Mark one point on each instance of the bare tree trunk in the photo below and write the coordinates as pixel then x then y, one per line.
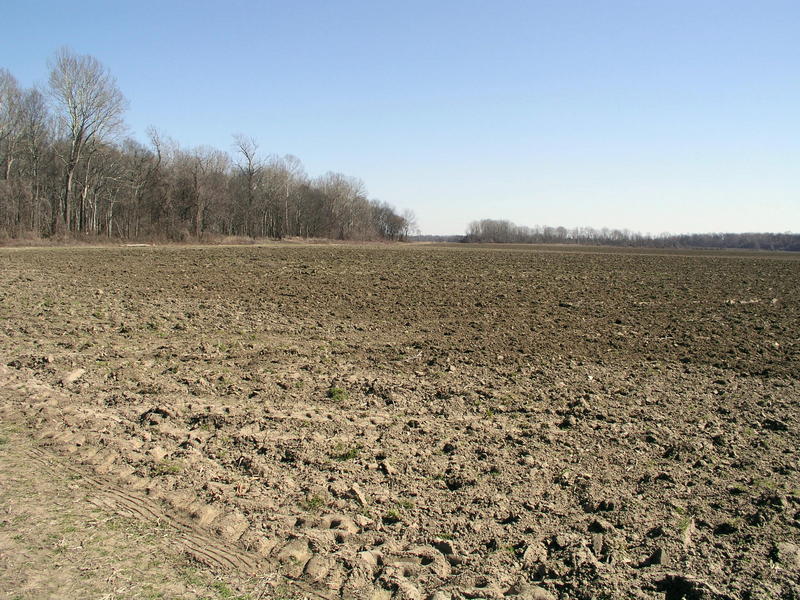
pixel 110 218
pixel 81 225
pixel 93 213
pixel 61 216
pixel 80 215
pixel 34 192
pixel 285 226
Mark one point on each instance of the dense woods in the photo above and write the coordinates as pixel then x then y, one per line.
pixel 66 170
pixel 502 231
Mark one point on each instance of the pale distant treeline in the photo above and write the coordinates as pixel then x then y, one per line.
pixel 67 170
pixel 503 232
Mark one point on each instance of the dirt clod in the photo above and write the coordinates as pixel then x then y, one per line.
pixel 72 376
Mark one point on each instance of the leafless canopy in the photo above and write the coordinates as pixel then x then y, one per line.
pixel 89 107
pixel 90 103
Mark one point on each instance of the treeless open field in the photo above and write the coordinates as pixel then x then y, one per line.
pixel 344 421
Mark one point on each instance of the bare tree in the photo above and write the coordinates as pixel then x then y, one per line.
pixel 410 226
pixel 283 177
pixel 36 131
pixel 250 168
pixel 200 187
pixel 10 130
pixel 90 106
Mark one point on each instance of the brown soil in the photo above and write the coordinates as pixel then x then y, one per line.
pixel 420 421
pixel 62 535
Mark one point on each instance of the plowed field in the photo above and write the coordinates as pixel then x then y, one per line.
pixel 427 421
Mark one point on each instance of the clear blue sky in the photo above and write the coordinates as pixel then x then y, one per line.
pixel 652 115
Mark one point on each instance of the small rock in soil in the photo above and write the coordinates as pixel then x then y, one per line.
pixel 600 526
pixel 657 558
pixel 444 546
pixel 526 591
pixel 787 555
pixel 72 376
pixel 295 555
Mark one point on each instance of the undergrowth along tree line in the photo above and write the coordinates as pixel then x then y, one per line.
pixel 66 170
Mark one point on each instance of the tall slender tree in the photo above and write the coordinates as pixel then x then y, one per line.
pixel 249 168
pixel 10 101
pixel 90 106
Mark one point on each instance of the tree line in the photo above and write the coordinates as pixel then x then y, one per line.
pixel 502 232
pixel 66 170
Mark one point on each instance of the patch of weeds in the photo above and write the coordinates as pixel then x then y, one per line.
pixel 737 489
pixel 407 504
pixel 224 442
pixel 337 394
pixel 343 453
pixel 392 517
pixel 192 576
pixel 285 592
pixel 3 440
pixel 131 526
pixel 223 591
pixel 152 594
pixel 168 467
pixel 508 550
pixel 766 484
pixel 313 503
pixel 683 524
pixel 117 524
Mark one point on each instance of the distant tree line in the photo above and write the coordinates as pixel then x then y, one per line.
pixel 442 239
pixel 66 170
pixel 501 231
